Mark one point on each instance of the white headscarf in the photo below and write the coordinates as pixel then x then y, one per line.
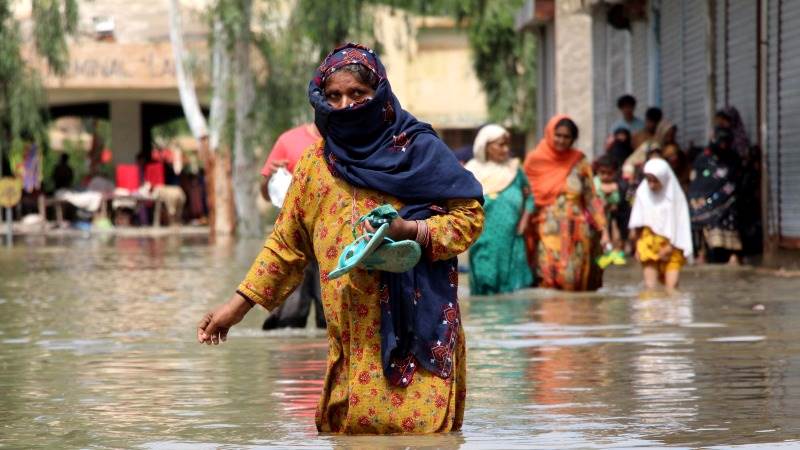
pixel 493 176
pixel 665 212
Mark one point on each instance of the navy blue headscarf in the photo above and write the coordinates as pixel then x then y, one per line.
pixel 378 145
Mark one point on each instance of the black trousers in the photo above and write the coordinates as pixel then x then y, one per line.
pixel 293 313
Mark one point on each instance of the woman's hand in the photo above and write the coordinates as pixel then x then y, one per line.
pixel 400 229
pixel 522 226
pixel 273 166
pixel 605 239
pixel 665 253
pixel 213 327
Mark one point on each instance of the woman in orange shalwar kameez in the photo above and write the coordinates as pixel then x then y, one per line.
pixel 566 232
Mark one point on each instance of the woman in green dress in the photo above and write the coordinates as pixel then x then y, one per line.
pixel 498 260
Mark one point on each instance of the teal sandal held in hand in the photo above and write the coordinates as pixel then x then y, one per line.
pixel 375 251
pixel 394 256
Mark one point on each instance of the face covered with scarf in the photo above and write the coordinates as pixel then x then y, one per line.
pixel 372 143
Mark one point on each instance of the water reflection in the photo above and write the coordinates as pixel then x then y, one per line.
pixel 98 350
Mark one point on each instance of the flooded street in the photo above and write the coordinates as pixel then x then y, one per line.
pixel 99 350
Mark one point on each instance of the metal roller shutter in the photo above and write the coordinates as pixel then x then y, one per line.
pixel 640 66
pixel 612 73
pixel 695 73
pixel 546 87
pixel 789 111
pixel 720 52
pixel 671 39
pixel 684 68
pixel 618 69
pixel 741 81
pixel 772 140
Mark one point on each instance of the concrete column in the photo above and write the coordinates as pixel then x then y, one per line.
pixel 126 133
pixel 573 68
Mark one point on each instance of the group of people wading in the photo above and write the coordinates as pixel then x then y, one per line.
pixel 546 211
pixel 644 197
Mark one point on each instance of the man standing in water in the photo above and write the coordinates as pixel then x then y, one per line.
pixel 285 154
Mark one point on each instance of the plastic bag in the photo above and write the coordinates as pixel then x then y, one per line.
pixel 278 186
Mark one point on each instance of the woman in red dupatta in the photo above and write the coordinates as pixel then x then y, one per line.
pixel 566 232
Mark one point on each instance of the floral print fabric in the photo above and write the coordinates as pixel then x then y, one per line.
pixel 564 238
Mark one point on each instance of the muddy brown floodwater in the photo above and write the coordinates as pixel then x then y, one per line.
pixel 98 351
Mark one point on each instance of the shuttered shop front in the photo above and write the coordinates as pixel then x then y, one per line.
pixel 736 59
pixel 612 73
pixel 695 73
pixel 684 68
pixel 640 61
pixel 783 111
pixel 671 65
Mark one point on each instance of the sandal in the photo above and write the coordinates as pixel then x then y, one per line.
pixel 359 249
pixel 375 251
pixel 394 256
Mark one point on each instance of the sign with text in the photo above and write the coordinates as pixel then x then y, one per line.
pixel 10 191
pixel 97 65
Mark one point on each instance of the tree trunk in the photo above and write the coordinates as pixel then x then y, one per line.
pixel 224 218
pixel 219 197
pixel 220 82
pixel 245 175
pixel 224 211
pixel 186 89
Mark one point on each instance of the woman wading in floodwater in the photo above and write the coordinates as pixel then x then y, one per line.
pixel 566 232
pixel 396 357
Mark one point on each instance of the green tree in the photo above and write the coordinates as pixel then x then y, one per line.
pixel 22 114
pixel 505 62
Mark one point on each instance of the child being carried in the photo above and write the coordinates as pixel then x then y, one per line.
pixel 608 190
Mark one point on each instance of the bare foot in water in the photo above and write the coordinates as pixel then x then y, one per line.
pixel 700 260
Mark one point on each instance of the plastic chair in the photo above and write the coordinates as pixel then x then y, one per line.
pixel 127 176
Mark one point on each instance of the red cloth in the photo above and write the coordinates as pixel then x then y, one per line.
pixel 128 176
pixel 154 173
pixel 162 155
pixel 290 147
pixel 548 168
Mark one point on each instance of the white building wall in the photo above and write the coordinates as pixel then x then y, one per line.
pixel 573 68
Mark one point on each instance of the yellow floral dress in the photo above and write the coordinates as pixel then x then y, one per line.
pixel 563 238
pixel 316 221
pixel 648 248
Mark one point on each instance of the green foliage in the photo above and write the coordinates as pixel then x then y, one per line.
pixel 22 114
pixel 327 24
pixel 53 20
pixel 281 100
pixel 505 62
pixel 504 59
pixel 234 15
pixel 168 131
pixel 295 45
